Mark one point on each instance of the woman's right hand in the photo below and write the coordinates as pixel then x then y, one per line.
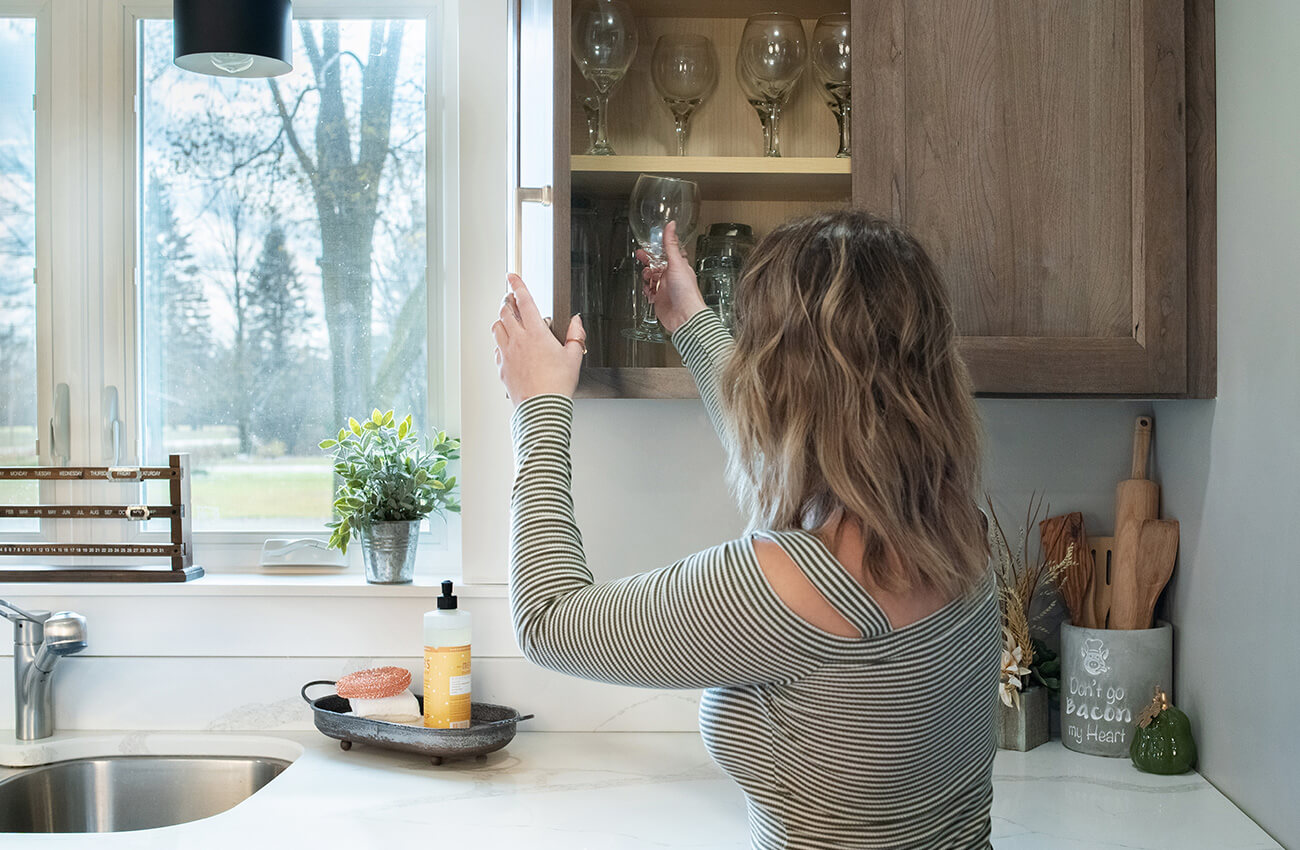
pixel 673 290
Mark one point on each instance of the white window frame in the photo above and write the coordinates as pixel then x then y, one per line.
pixel 87 211
pixel 39 12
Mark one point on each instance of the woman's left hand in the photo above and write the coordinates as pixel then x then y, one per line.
pixel 531 360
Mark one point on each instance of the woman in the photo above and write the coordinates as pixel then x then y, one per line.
pixel 848 643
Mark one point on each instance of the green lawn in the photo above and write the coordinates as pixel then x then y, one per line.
pixel 225 488
pixel 296 488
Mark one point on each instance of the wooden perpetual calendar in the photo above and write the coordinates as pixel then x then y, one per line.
pixel 178 550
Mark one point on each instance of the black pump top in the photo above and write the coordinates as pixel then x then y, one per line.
pixel 446 602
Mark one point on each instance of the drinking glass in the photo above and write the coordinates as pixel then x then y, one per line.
pixel 685 72
pixel 604 43
pixel 834 71
pixel 770 61
pixel 655 202
pixel 586 275
pixel 627 302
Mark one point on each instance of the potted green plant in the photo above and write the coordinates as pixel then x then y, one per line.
pixel 389 481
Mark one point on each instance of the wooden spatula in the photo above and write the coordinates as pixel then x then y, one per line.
pixel 1058 533
pixel 1102 552
pixel 1157 550
pixel 1136 500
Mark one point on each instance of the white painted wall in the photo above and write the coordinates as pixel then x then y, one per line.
pixel 649 488
pixel 1235 484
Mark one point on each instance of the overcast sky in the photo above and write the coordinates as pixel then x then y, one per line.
pixel 17 76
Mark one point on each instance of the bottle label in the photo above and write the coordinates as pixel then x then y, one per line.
pixel 447 687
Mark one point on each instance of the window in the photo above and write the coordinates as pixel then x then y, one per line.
pixel 283 232
pixel 229 268
pixel 18 400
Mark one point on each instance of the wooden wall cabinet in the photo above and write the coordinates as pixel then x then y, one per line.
pixel 1056 158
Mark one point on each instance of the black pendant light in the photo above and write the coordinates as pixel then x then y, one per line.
pixel 234 38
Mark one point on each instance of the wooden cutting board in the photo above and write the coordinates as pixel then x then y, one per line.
pixel 1136 501
pixel 1058 534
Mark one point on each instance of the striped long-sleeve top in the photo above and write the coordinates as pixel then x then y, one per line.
pixel 879 741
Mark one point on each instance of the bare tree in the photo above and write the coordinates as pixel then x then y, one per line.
pixel 345 182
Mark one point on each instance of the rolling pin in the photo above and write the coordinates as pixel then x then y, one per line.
pixel 1136 500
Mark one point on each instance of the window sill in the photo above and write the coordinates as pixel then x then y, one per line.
pixel 247 584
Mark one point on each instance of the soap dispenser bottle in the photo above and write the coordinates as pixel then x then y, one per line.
pixel 446 664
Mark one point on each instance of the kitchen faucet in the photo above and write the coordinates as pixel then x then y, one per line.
pixel 40 640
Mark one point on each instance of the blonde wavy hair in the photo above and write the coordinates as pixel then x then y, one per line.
pixel 847 399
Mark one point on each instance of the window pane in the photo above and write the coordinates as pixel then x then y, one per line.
pixel 17 256
pixel 282 262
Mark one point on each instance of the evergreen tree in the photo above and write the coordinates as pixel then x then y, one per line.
pixel 180 357
pixel 277 311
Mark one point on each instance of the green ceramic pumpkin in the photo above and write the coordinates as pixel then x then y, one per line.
pixel 1164 745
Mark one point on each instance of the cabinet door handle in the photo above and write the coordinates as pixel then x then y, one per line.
pixel 543 195
pixel 534 195
pixel 112 428
pixel 61 427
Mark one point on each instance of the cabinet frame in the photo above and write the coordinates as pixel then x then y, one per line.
pixel 1171 350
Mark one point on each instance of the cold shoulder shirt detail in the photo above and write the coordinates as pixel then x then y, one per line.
pixel 879 741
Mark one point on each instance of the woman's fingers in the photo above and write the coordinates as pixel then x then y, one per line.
pixel 500 334
pixel 529 315
pixel 673 252
pixel 508 315
pixel 671 244
pixel 575 341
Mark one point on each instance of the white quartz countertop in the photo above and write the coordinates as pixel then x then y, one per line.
pixel 613 791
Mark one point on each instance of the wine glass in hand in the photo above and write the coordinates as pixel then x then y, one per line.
pixel 685 72
pixel 655 202
pixel 834 70
pixel 604 44
pixel 673 290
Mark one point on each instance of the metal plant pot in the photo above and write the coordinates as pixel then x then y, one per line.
pixel 388 549
pixel 1025 727
pixel 1107 678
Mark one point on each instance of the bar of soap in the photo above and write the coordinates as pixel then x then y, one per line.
pixel 401 708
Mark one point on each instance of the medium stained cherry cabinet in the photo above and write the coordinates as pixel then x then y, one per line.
pixel 1056 157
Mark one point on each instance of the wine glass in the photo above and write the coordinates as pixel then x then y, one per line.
pixel 770 61
pixel 834 71
pixel 604 43
pixel 655 202
pixel 589 111
pixel 685 72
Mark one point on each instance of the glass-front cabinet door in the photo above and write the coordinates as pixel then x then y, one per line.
pixel 609 91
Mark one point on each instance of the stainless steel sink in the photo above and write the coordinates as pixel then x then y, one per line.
pixel 123 793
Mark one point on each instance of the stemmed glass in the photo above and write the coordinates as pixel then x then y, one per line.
pixel 831 63
pixel 685 72
pixel 604 43
pixel 655 202
pixel 770 61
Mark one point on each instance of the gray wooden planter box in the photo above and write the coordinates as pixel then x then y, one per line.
pixel 1026 727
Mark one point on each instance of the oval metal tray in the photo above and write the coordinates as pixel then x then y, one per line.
pixel 491 728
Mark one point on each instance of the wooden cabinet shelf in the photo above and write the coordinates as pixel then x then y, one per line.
pixel 723 178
